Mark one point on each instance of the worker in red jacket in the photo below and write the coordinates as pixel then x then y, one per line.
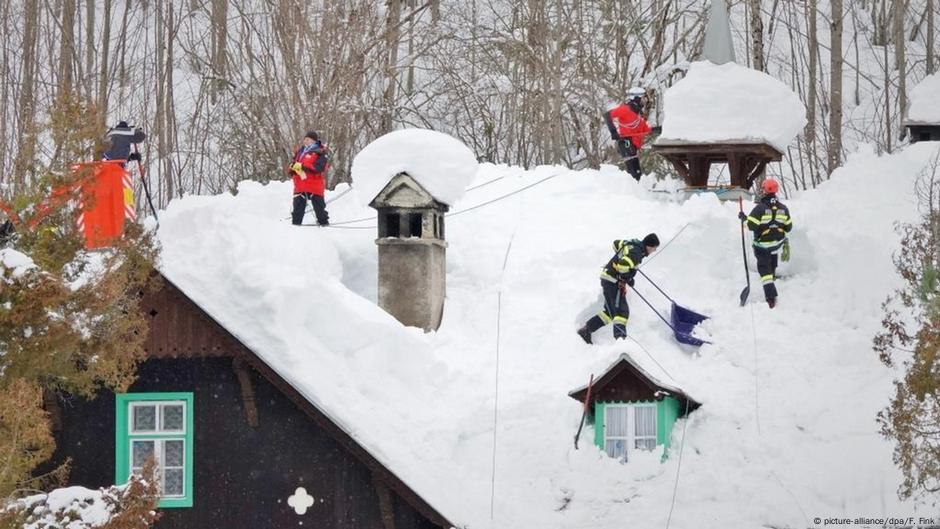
pixel 309 173
pixel 628 128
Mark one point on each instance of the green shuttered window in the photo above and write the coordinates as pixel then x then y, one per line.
pixel 158 426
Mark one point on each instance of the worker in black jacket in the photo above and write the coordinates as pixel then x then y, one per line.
pixel 120 139
pixel 615 277
pixel 770 221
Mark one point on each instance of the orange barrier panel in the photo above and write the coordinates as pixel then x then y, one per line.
pixel 107 199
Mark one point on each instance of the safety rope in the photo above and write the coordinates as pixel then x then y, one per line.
pixel 507 195
pixel 675 486
pixel 350 188
pixel 499 307
pixel 760 438
pixel 685 425
pixel 664 246
pixel 471 208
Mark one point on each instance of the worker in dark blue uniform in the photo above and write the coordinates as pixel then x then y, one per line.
pixel 770 222
pixel 616 276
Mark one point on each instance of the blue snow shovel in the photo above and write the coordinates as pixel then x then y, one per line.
pixel 683 319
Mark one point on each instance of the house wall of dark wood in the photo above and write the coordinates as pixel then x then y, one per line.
pixel 243 475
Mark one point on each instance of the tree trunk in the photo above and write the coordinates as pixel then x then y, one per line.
pixel 887 103
pixel 756 26
pixel 835 93
pixel 219 43
pixel 160 122
pixel 930 53
pixel 66 48
pixel 392 32
pixel 103 72
pixel 810 132
pixel 174 181
pixel 23 162
pixel 90 49
pixel 900 63
pixel 6 108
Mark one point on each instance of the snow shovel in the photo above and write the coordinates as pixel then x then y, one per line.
pixel 683 321
pixel 747 274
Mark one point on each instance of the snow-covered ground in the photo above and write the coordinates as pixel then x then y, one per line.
pixel 787 429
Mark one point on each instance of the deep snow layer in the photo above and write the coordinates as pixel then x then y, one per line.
pixel 787 431
pixel 439 162
pixel 730 102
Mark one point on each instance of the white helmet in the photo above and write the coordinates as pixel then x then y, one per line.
pixel 635 91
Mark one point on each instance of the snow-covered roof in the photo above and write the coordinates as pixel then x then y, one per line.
pixel 303 299
pixel 731 103
pixel 442 164
pixel 924 107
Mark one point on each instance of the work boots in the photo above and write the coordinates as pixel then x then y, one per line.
pixel 771 302
pixel 585 334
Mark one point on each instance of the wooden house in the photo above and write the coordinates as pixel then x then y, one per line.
pixel 922 119
pixel 236 444
pixel 632 410
pixel 923 130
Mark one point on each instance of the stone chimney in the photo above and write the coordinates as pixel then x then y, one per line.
pixel 412 253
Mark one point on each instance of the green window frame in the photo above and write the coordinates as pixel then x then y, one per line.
pixel 158 425
pixel 667 412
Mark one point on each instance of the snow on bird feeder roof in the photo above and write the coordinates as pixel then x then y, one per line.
pixel 923 107
pixel 730 103
pixel 442 164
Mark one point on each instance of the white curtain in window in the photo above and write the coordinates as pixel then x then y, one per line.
pixel 645 427
pixel 616 431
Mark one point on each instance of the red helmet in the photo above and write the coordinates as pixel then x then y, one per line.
pixel 770 186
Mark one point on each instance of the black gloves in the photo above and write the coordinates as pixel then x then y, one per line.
pixel 134 156
pixel 742 216
pixel 630 282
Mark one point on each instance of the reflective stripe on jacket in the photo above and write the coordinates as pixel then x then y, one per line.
pixel 622 266
pixel 770 221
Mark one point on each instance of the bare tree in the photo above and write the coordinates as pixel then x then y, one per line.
pixel 27 99
pixel 930 37
pixel 89 46
pixel 900 61
pixel 392 42
pixel 219 43
pixel 756 29
pixel 103 71
pixel 66 48
pixel 810 132
pixel 835 93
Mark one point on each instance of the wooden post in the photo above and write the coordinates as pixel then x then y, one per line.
pixel 698 171
pixel 248 391
pixel 386 509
